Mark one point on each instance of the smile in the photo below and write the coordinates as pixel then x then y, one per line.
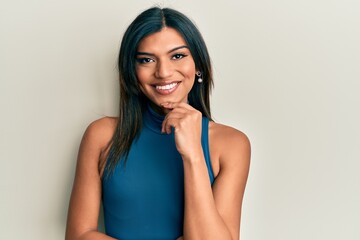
pixel 167 88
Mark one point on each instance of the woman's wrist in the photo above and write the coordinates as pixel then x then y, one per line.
pixel 194 157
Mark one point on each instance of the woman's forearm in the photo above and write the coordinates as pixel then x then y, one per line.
pixel 201 217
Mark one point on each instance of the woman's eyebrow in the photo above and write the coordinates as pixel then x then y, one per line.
pixel 145 53
pixel 177 48
pixel 172 50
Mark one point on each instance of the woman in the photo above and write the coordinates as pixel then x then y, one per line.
pixel 163 168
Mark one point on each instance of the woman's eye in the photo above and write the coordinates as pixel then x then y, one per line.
pixel 178 56
pixel 144 60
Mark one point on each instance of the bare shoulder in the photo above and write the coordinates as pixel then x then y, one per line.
pixel 223 132
pixel 99 133
pixel 229 145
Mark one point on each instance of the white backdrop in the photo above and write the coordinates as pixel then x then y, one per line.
pixel 286 73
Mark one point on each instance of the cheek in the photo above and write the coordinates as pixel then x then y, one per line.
pixel 189 66
pixel 189 69
pixel 141 76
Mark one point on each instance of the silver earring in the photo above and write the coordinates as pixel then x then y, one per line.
pixel 199 74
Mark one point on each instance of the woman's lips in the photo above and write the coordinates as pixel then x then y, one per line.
pixel 168 88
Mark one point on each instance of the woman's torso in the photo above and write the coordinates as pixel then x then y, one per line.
pixel 144 198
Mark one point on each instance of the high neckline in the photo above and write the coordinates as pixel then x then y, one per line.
pixel 152 119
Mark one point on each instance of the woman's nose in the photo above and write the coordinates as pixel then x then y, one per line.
pixel 164 69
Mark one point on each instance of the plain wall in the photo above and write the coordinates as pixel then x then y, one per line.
pixel 287 73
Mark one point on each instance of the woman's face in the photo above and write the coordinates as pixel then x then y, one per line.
pixel 164 67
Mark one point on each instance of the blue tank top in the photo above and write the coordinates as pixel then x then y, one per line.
pixel 144 198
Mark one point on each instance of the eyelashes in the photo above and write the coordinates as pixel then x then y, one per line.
pixel 178 56
pixel 146 60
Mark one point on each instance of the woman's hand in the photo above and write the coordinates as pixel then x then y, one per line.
pixel 186 122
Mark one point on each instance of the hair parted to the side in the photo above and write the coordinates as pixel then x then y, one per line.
pixel 132 100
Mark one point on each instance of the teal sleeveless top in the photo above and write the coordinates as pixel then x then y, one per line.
pixel 144 198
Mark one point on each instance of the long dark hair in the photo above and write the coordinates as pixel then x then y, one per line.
pixel 132 100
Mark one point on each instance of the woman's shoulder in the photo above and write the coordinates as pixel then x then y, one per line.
pixel 101 131
pixel 104 123
pixel 229 144
pixel 221 132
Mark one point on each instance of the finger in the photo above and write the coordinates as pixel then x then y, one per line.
pixel 167 105
pixel 176 115
pixel 172 105
pixel 177 110
pixel 170 123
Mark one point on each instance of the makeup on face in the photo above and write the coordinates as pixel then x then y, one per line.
pixel 164 66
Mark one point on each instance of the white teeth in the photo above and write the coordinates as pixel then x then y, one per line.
pixel 166 87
